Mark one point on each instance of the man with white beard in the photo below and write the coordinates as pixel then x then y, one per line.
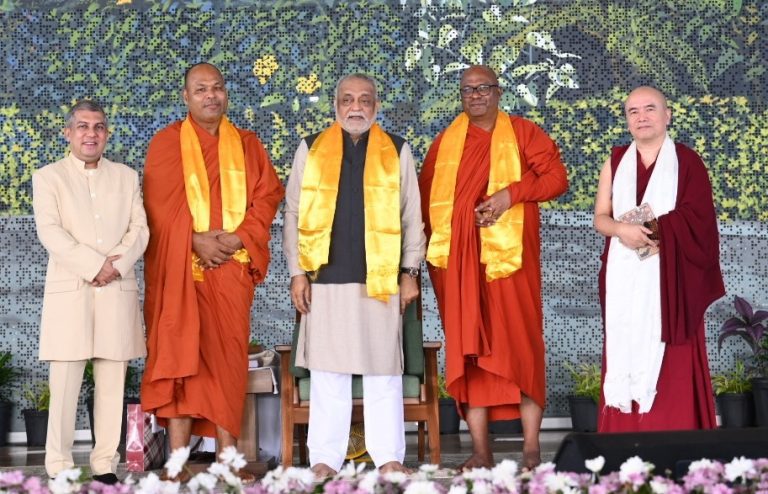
pixel 354 240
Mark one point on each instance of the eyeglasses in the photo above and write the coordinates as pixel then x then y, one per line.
pixel 364 101
pixel 482 90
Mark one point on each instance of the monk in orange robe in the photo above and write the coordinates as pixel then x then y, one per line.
pixel 493 329
pixel 200 280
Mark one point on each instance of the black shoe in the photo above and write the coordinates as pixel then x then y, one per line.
pixel 106 478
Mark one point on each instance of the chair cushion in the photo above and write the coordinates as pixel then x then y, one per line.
pixel 411 387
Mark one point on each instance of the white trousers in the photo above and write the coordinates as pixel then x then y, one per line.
pixel 65 379
pixel 330 415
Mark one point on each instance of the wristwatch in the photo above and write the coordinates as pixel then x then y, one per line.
pixel 412 272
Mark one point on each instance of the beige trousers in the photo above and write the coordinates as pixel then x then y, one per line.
pixel 65 379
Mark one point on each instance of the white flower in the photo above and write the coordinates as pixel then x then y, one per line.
pixel 369 481
pixel 288 479
pixel 176 462
pixel 559 482
pixel 458 489
pixel 395 477
pixel 421 487
pixel 350 470
pixel 218 469
pixel 65 482
pixel 595 464
pixel 632 467
pixel 303 476
pixel 505 475
pixel 232 480
pixel 545 467
pixel 230 456
pixel 169 488
pixel 659 487
pixel 482 486
pixel 203 481
pixel 149 484
pixel 478 474
pixel 739 467
pixel 702 464
pixel 429 468
pixel 504 470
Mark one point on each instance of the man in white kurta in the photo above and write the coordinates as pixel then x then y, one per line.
pixel 353 255
pixel 90 218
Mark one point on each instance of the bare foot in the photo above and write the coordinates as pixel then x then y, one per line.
pixel 246 477
pixel 182 477
pixel 477 460
pixel 394 466
pixel 531 459
pixel 323 471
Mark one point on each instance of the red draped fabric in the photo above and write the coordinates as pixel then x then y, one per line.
pixel 197 332
pixel 493 330
pixel 690 282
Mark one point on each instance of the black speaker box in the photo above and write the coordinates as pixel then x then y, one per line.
pixel 669 451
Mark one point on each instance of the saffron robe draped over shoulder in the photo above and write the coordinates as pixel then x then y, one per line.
pixel 494 330
pixel 689 250
pixel 197 332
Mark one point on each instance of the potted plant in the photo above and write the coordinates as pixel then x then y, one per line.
pixel 38 395
pixel 449 414
pixel 130 396
pixel 8 376
pixel 586 395
pixel 749 326
pixel 733 396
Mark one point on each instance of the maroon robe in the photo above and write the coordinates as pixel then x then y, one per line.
pixel 690 281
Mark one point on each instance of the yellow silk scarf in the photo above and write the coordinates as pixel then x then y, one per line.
pixel 501 245
pixel 381 196
pixel 234 196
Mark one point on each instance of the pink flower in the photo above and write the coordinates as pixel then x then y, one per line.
pixel 13 477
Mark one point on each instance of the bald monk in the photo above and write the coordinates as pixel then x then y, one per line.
pixel 655 371
pixel 481 183
pixel 203 262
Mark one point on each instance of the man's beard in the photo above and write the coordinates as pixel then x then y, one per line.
pixel 355 126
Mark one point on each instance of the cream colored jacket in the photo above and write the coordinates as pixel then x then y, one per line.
pixel 83 216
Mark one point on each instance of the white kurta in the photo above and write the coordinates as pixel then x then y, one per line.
pixel 346 331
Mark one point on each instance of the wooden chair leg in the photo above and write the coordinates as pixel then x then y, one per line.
pixel 302 438
pixel 287 443
pixel 433 432
pixel 420 454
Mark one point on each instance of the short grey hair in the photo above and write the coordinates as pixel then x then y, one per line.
pixel 87 105
pixel 358 75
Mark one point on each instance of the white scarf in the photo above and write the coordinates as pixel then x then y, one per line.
pixel 633 345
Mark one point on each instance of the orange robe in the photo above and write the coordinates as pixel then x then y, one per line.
pixel 197 332
pixel 494 330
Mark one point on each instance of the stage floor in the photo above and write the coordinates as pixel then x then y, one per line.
pixel 455 448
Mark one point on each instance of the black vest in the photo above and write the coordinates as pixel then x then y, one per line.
pixel 346 256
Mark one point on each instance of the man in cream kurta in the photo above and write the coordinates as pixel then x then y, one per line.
pixel 359 289
pixel 90 218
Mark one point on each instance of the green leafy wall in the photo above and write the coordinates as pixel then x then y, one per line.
pixel 566 64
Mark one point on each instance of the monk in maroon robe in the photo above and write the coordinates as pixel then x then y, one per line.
pixel 689 277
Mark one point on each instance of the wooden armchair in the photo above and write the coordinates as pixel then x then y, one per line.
pixel 419 391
